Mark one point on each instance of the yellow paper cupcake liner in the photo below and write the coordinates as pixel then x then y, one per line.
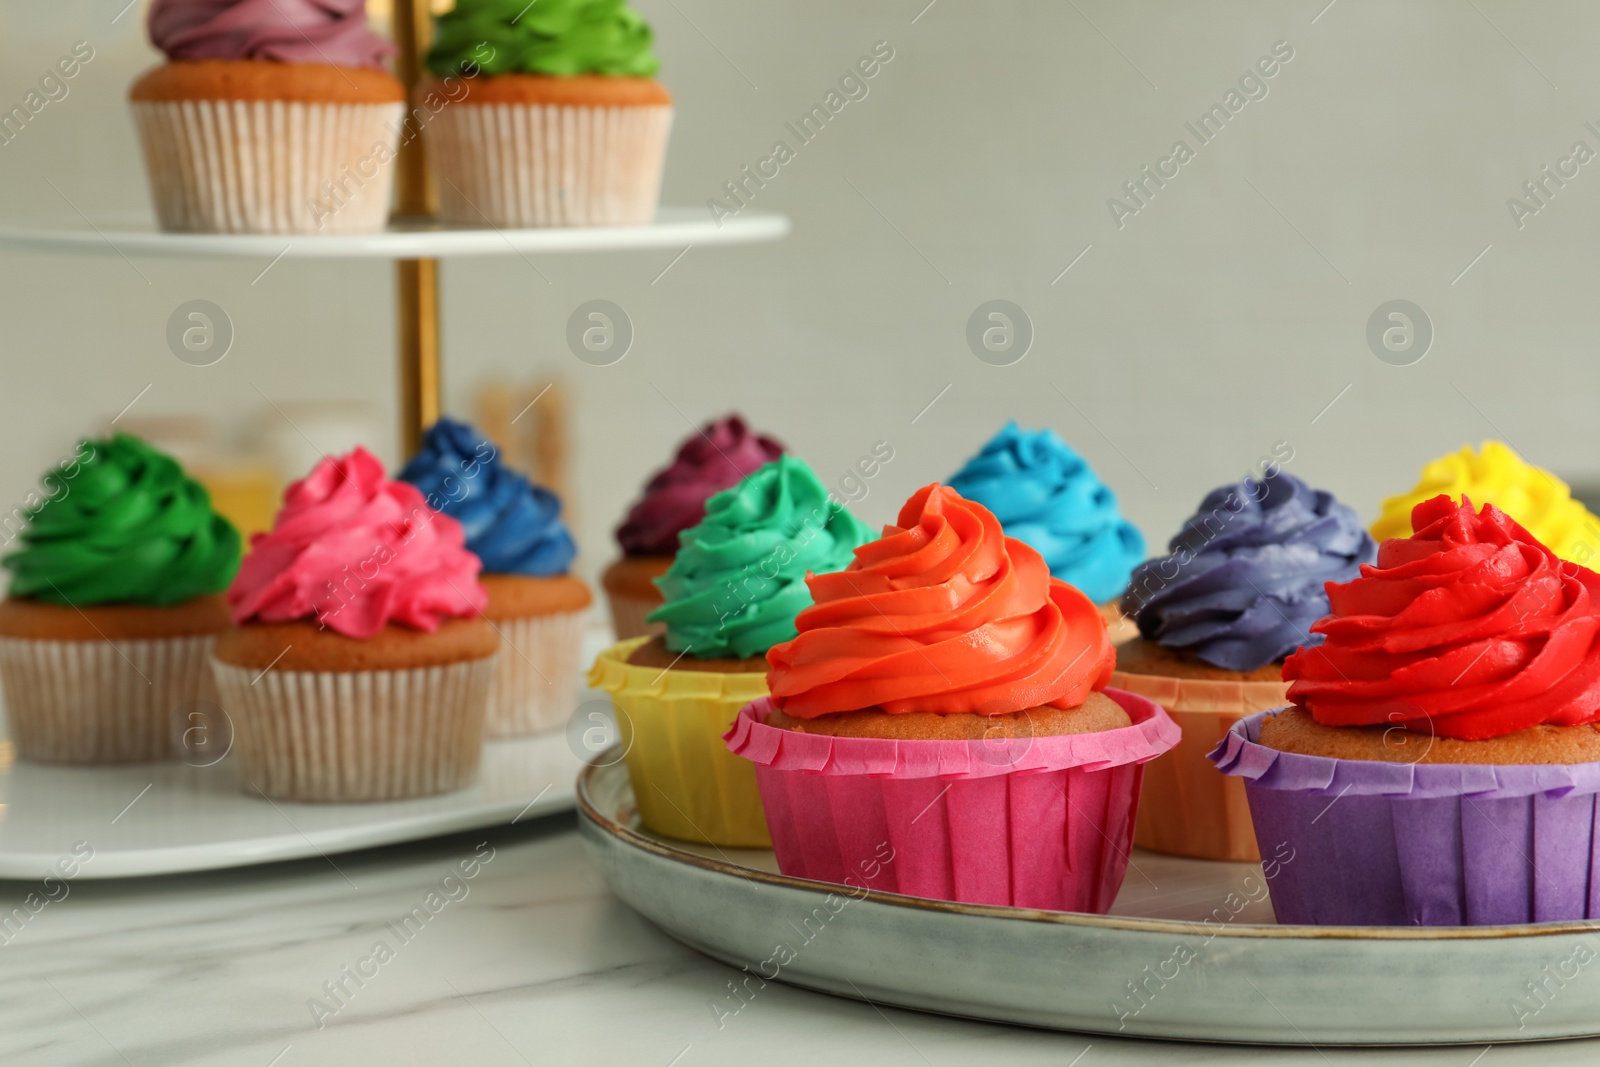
pixel 686 783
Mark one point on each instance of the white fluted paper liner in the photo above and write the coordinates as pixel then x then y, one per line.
pixel 629 617
pixel 535 165
pixel 343 736
pixel 537 674
pixel 99 701
pixel 262 166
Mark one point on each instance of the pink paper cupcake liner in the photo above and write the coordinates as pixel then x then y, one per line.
pixel 1044 822
pixel 1430 844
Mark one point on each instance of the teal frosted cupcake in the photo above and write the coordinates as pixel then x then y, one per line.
pixel 1046 496
pixel 732 592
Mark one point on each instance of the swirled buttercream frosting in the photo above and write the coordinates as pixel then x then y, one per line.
pixel 1045 495
pixel 1470 628
pixel 512 525
pixel 739 578
pixel 713 459
pixel 355 551
pixel 332 32
pixel 122 523
pixel 943 614
pixel 556 37
pixel 1243 580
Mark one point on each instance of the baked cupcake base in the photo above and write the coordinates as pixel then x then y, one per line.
pixel 1187 808
pixel 105 683
pixel 540 621
pixel 686 783
pixel 631 595
pixel 1018 818
pixel 1415 842
pixel 318 716
pixel 526 150
pixel 255 146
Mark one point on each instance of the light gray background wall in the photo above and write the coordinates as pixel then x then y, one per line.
pixel 1223 317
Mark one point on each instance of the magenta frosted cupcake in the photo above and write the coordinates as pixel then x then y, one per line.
pixel 269 116
pixel 715 458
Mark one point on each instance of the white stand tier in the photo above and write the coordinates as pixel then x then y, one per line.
pixel 136 235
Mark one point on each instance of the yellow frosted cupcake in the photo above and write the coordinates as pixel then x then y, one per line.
pixel 1494 474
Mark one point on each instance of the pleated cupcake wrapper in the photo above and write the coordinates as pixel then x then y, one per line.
pixel 1043 822
pixel 344 736
pixel 269 166
pixel 527 165
pixel 102 702
pixel 686 783
pixel 1187 808
pixel 1369 843
pixel 628 617
pixel 536 674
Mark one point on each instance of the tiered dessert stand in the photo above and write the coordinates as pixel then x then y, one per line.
pixel 162 818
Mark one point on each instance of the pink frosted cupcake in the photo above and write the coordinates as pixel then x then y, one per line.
pixel 358 666
pixel 941 727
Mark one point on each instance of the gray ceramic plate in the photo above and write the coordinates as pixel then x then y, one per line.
pixel 1190 951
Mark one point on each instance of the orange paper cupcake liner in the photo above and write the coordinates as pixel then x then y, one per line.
pixel 1187 807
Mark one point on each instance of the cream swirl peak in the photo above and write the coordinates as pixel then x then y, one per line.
pixel 355 551
pixel 332 32
pixel 943 614
pixel 1245 577
pixel 1470 628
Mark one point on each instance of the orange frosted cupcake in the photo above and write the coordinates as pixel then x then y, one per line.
pixel 270 116
pixel 553 116
pixel 941 727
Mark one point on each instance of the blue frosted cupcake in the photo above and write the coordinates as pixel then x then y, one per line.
pixel 1046 496
pixel 538 608
pixel 1238 592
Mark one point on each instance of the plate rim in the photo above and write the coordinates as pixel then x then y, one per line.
pixel 589 811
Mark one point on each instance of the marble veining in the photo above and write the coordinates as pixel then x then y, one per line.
pixel 535 964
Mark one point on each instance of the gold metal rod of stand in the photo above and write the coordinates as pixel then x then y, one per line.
pixel 417 280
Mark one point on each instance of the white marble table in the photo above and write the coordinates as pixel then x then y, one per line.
pixel 533 962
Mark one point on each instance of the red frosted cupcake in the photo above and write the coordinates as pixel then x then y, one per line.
pixel 941 728
pixel 1441 762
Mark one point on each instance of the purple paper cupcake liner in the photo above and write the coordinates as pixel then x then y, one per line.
pixel 1431 844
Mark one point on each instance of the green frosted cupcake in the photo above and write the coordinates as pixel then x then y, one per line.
pixel 732 592
pixel 113 606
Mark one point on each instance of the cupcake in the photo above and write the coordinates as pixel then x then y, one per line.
pixel 562 124
pixel 1441 760
pixel 714 458
pixel 535 605
pixel 732 592
pixel 940 727
pixel 358 666
pixel 269 116
pixel 1494 474
pixel 114 602
pixel 1047 497
pixel 1216 618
